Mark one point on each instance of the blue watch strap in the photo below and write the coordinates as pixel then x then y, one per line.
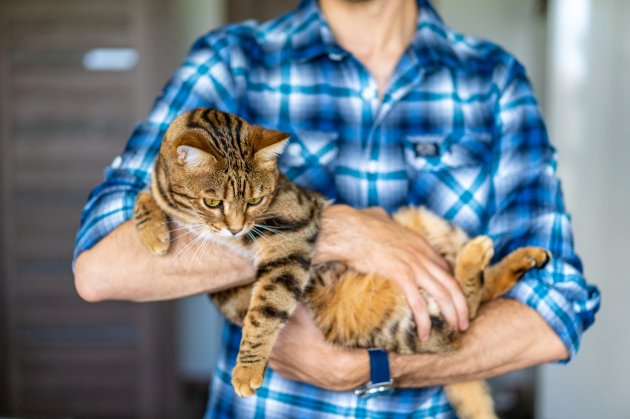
pixel 380 379
pixel 379 366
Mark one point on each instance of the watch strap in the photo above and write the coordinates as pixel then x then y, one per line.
pixel 380 378
pixel 379 366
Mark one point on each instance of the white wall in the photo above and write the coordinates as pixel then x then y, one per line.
pixel 589 103
pixel 196 17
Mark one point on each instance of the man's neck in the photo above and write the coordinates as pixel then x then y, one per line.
pixel 377 32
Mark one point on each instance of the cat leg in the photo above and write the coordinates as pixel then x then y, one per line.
pixel 502 276
pixel 471 400
pixel 233 303
pixel 279 287
pixel 151 224
pixel 471 261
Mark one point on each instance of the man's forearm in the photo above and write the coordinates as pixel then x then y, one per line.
pixel 120 268
pixel 506 336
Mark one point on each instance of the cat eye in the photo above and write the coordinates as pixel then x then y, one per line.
pixel 254 201
pixel 212 203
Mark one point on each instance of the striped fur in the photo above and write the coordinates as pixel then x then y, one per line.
pixel 211 171
pixel 220 157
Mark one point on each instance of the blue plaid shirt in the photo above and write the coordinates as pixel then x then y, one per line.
pixel 458 130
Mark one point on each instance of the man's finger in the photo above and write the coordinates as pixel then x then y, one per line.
pixel 455 291
pixel 418 308
pixel 442 296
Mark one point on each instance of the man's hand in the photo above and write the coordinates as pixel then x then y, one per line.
pixel 370 241
pixel 301 353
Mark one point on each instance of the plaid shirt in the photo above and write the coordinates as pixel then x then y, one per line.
pixel 458 130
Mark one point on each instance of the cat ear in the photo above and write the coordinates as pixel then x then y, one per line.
pixel 193 157
pixel 270 144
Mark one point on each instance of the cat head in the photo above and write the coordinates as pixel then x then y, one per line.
pixel 220 172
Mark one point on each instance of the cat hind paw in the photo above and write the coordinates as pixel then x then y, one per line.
pixel 537 257
pixel 474 257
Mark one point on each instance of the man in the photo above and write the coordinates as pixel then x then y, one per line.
pixel 386 107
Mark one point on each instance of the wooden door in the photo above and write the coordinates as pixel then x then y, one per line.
pixel 62 121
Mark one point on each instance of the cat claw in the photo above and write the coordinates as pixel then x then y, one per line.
pixel 539 257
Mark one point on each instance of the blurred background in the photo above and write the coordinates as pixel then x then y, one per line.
pixel 76 75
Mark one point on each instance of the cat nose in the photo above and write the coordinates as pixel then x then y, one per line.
pixel 235 231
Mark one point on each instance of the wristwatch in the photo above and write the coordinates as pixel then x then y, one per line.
pixel 380 380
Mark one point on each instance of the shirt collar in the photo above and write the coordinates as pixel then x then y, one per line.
pixel 311 37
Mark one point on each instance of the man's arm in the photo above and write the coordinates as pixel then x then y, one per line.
pixel 119 267
pixel 505 337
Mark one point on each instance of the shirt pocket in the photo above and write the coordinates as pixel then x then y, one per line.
pixel 310 159
pixel 439 151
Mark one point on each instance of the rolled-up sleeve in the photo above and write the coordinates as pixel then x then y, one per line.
pixel 528 210
pixel 204 79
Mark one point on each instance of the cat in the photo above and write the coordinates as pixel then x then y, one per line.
pixel 217 175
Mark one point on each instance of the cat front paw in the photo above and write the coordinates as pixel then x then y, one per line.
pixel 156 239
pixel 247 379
pixel 151 224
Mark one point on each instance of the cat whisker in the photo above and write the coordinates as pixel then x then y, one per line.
pixel 268 228
pixel 191 230
pixel 188 227
pixel 189 245
pixel 200 250
pixel 273 243
pixel 259 234
pixel 271 214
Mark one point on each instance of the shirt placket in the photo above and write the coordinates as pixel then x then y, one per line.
pixel 407 75
pixel 369 154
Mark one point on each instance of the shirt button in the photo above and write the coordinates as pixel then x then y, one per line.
pixel 117 162
pixel 294 150
pixel 372 166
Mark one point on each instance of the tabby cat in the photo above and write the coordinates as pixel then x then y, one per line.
pixel 217 175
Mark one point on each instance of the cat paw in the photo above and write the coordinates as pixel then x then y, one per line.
pixel 247 379
pixel 151 224
pixel 474 257
pixel 156 240
pixel 535 257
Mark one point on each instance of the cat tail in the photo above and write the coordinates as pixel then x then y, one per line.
pixel 471 400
